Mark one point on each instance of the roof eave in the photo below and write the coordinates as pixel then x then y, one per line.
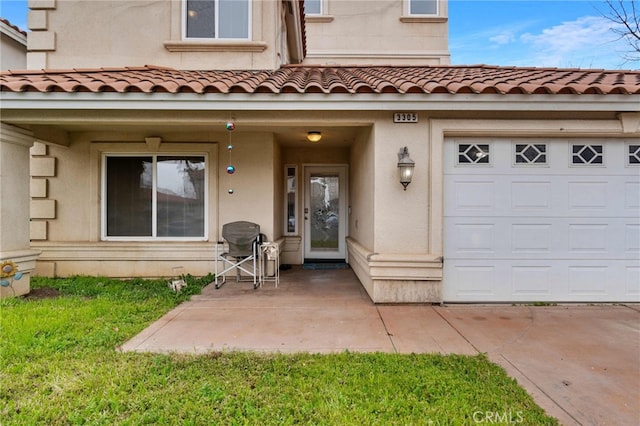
pixel 317 101
pixel 13 32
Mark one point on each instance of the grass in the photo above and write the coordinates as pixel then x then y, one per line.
pixel 59 366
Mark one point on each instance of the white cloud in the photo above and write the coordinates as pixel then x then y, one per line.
pixel 503 38
pixel 580 43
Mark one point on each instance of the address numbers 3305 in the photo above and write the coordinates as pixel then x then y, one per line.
pixel 405 117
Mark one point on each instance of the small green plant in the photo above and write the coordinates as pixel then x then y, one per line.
pixel 59 365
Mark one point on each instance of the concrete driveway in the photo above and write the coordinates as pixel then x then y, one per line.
pixel 580 363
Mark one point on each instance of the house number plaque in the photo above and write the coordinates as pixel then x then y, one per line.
pixel 405 117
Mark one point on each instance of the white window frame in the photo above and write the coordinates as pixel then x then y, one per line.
pixel 407 10
pixel 154 204
pixel 183 20
pixel 286 201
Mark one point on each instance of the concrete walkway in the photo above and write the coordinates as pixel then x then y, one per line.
pixel 580 363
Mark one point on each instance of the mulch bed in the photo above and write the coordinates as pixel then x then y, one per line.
pixel 42 293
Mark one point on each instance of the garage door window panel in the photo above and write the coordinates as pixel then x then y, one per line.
pixel 634 155
pixel 585 155
pixel 469 154
pixel 530 154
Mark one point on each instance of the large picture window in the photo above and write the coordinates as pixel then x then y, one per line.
pixel 216 19
pixel 154 196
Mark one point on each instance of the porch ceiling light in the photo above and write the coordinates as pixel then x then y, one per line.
pixel 314 136
pixel 405 167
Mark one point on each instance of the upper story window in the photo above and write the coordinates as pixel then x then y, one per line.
pixel 313 7
pixel 423 7
pixel 317 11
pixel 216 19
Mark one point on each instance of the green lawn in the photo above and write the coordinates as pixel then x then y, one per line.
pixel 59 365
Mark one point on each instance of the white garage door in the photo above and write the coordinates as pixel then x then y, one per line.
pixel 542 220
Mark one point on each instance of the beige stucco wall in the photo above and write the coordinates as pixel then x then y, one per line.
pixel 362 192
pixel 13 195
pixel 115 33
pixel 278 192
pixel 401 216
pixel 73 243
pixel 253 198
pixel 14 208
pixel 14 54
pixel 384 34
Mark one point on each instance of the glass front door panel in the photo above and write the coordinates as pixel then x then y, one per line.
pixel 324 213
pixel 325 208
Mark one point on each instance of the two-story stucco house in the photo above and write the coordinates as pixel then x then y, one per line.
pixel 525 183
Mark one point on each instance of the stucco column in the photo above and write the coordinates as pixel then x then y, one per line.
pixel 14 207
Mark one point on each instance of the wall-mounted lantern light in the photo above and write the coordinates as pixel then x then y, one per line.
pixel 314 136
pixel 405 167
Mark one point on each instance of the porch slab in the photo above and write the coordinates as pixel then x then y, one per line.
pixel 579 362
pixel 310 311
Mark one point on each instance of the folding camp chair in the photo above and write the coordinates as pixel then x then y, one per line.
pixel 242 253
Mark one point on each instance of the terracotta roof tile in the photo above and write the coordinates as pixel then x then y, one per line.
pixel 15 27
pixel 476 79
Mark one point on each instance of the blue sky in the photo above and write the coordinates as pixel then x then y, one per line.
pixel 543 33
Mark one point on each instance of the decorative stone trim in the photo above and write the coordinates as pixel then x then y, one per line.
pixel 42 208
pixel 38 230
pixel 16 135
pixel 123 259
pixel 424 19
pixel 38 188
pixel 318 19
pixel 215 46
pixel 43 167
pixel 41 41
pixel 397 278
pixel 42 4
pixel 37 20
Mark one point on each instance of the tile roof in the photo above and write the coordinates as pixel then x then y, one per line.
pixel 14 27
pixel 478 79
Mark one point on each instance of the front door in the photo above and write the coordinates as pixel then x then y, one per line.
pixel 325 213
